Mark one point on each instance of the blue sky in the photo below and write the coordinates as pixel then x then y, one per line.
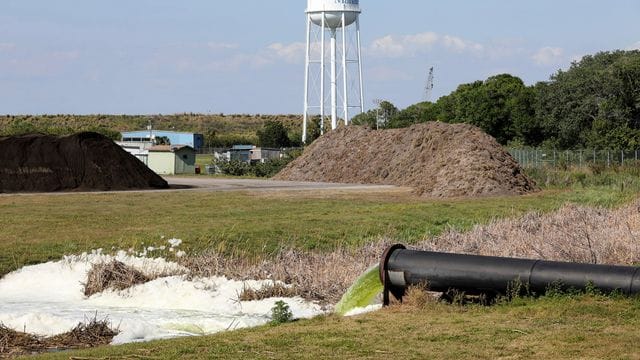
pixel 212 56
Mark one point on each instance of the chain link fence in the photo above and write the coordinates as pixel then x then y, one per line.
pixel 536 158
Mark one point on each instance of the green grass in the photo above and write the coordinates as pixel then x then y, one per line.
pixel 579 327
pixel 37 228
pixel 204 160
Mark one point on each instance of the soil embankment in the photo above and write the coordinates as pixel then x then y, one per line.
pixel 80 162
pixel 436 159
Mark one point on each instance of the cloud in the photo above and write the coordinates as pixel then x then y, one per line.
pixel 394 46
pixel 548 56
pixel 291 53
pixel 576 58
pixel 388 46
pixel 397 46
pixel 635 46
pixel 460 45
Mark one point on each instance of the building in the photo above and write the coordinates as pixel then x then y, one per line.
pixel 241 153
pixel 139 150
pixel 172 159
pixel 265 154
pixel 147 138
pixel 253 154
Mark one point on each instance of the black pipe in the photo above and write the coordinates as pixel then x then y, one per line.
pixel 474 275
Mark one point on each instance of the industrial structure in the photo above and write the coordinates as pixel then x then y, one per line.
pixel 147 138
pixel 333 19
pixel 428 89
pixel 252 154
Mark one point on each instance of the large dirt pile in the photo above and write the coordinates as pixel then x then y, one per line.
pixel 82 162
pixel 436 159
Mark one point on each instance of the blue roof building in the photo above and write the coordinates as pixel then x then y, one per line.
pixel 196 141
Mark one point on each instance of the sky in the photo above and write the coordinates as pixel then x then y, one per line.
pixel 247 57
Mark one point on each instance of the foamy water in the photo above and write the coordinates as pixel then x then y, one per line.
pixel 48 299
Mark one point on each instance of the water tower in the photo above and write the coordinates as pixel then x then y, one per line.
pixel 333 19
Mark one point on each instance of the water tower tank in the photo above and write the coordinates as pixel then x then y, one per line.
pixel 333 11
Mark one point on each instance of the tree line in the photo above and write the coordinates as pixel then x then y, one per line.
pixel 219 130
pixel 593 104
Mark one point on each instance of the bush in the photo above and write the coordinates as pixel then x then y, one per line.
pixel 240 168
pixel 281 313
pixel 234 167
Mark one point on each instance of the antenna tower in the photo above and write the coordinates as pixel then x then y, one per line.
pixel 428 90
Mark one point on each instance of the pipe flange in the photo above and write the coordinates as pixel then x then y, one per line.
pixel 384 276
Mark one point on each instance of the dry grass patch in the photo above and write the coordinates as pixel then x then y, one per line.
pixel 85 335
pixel 112 275
pixel 318 276
pixel 267 291
pixel 573 233
pixel 419 296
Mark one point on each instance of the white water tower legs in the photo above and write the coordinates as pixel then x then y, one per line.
pixel 332 18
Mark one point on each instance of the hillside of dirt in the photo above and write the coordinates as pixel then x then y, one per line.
pixel 436 159
pixel 80 162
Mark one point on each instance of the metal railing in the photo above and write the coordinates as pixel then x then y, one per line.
pixel 533 157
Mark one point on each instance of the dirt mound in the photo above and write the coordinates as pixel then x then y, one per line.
pixel 436 159
pixel 82 162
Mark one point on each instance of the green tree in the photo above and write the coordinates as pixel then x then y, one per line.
pixel 367 118
pixel 500 105
pixel 273 135
pixel 417 113
pixel 595 103
pixel 313 132
pixel 386 111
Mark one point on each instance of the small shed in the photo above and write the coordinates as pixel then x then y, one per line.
pixel 172 159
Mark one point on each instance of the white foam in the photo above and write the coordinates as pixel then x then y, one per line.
pixel 363 310
pixel 48 299
pixel 174 242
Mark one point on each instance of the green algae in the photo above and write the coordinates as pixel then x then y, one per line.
pixel 362 293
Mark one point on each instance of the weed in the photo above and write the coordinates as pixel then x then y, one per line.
pixel 418 296
pixel 281 313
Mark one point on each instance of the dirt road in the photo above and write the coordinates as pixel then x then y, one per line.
pixel 210 184
pixel 221 184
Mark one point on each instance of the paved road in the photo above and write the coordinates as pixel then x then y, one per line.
pixel 219 184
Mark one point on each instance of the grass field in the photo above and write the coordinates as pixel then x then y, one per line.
pixel 36 228
pixel 204 160
pixel 583 327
